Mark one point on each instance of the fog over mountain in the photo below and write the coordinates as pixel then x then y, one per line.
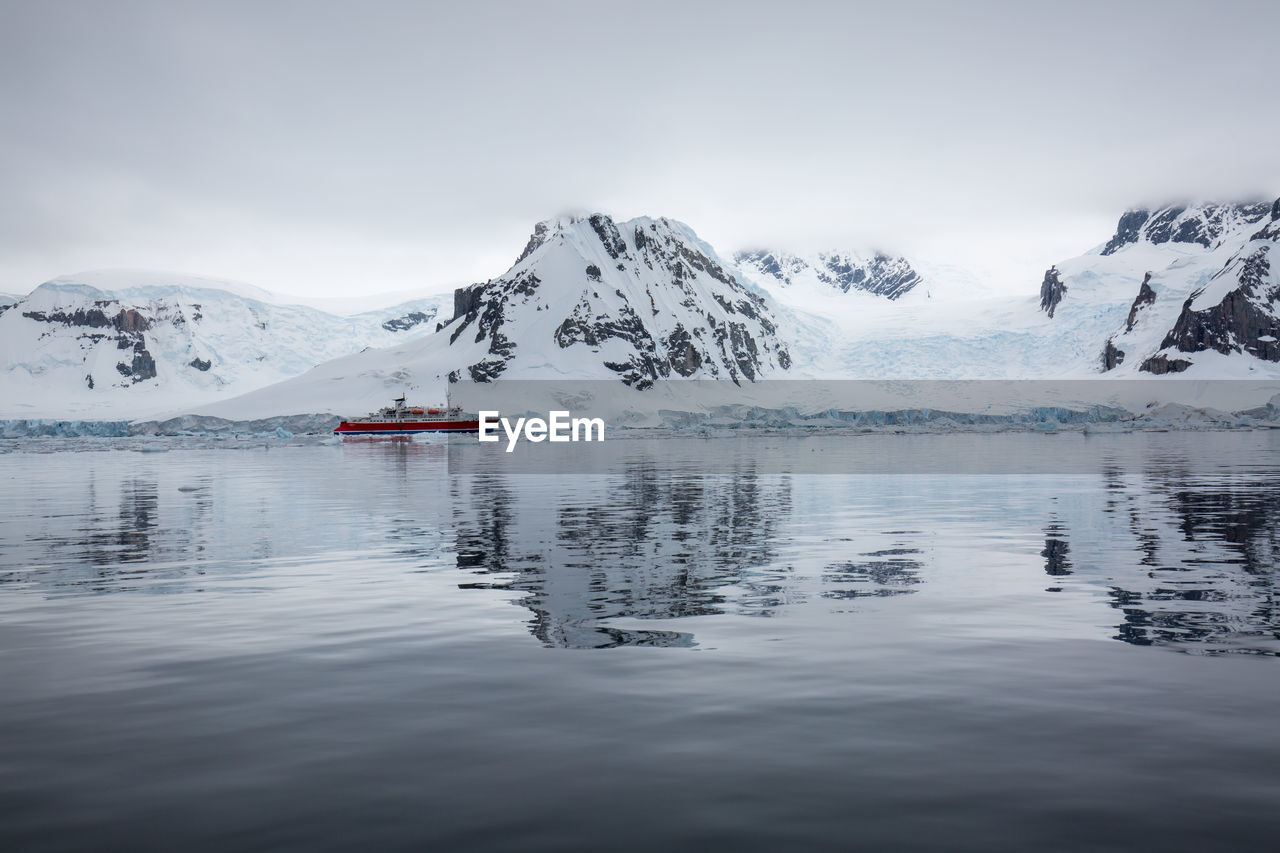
pixel 327 149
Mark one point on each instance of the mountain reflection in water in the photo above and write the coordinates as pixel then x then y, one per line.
pixel 276 645
pixel 641 544
pixel 1189 561
pixel 1158 552
pixel 1207 561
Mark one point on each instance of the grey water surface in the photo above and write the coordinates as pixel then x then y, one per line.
pixel 686 644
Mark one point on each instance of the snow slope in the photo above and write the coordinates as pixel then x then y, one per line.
pixel 128 343
pixel 951 326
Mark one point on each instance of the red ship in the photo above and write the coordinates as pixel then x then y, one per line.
pixel 399 419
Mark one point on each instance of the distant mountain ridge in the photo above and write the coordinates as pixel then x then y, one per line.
pixel 96 338
pixel 1189 289
pixel 1203 224
pixel 879 274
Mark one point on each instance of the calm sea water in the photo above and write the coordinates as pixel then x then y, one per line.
pixel 394 645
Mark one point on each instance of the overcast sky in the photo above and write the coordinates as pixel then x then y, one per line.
pixel 346 147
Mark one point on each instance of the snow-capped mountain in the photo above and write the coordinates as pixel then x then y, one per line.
pixel 645 299
pixel 588 298
pixel 1187 289
pixel 1204 297
pixel 1204 224
pixel 1096 311
pixel 878 274
pixel 141 341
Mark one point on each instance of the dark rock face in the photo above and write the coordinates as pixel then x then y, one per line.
pixel 405 322
pixel 126 320
pixel 1162 364
pixel 129 320
pixel 129 324
pixel 1052 289
pixel 609 236
pixel 1270 231
pixel 142 367
pixel 1244 321
pixel 483 371
pixel 582 327
pixel 743 347
pixel 1111 356
pixel 467 299
pixel 1163 227
pixel 1202 224
pixel 593 272
pixel 200 364
pixel 682 355
pixel 679 259
pixel 484 306
pixel 538 237
pixel 1145 297
pixel 1128 230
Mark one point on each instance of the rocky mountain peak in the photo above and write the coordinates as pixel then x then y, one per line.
pixel 1201 224
pixel 643 299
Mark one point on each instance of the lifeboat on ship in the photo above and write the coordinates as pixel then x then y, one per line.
pixel 401 419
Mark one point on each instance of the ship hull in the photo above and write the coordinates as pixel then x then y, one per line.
pixel 392 428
